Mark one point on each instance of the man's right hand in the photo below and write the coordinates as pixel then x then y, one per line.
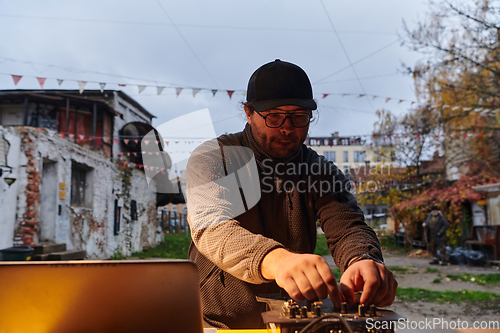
pixel 303 276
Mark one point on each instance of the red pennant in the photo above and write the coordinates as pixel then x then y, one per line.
pixel 109 154
pixel 324 95
pixel 418 135
pixel 230 93
pixel 62 135
pixel 121 85
pixel 121 154
pixel 16 79
pixel 125 163
pixel 126 141
pixel 128 154
pixel 162 169
pixel 166 142
pixel 136 141
pixel 146 142
pixel 465 135
pixel 116 140
pixel 41 80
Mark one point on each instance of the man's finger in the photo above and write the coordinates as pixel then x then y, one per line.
pixel 370 287
pixel 347 288
pixel 305 287
pixel 291 288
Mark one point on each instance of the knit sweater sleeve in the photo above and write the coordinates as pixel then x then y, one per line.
pixel 215 202
pixel 342 220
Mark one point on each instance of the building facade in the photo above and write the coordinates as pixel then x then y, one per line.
pixel 74 184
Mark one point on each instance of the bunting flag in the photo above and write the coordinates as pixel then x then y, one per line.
pixel 16 79
pixel 195 91
pixel 81 86
pixel 126 141
pixel 141 88
pixel 121 85
pixel 214 91
pixel 230 93
pixel 387 99
pixel 101 86
pixel 244 93
pixel 324 95
pixel 59 82
pixel 178 91
pixel 159 90
pixel 41 81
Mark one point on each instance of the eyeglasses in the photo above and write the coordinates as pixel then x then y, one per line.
pixel 275 120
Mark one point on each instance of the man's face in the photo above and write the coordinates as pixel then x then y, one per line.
pixel 281 142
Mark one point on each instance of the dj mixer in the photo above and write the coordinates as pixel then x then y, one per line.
pixel 290 316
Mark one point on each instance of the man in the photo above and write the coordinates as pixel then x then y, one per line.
pixel 266 243
pixel 435 227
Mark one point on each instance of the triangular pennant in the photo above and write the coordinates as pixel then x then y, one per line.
pixel 214 91
pixel 166 142
pixel 230 93
pixel 121 85
pixel 136 141
pixel 16 79
pixel 146 142
pixel 195 91
pixel 59 82
pixel 400 101
pixel 159 90
pixel 141 88
pixel 361 95
pixel 116 141
pixel 244 93
pixel 41 81
pixel 126 141
pixel 101 86
pixel 62 135
pixel 387 99
pixel 81 136
pixel 178 91
pixel 81 86
pixel 324 95
pixel 71 136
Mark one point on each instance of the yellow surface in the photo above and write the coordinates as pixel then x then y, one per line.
pixel 250 331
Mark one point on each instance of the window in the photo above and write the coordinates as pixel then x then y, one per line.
pixel 346 169
pixel 329 155
pixel 81 195
pixel 359 156
pixel 346 156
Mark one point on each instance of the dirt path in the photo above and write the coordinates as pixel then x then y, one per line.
pixel 416 277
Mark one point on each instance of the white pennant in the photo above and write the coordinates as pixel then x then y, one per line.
pixel 141 88
pixel 59 81
pixel 102 85
pixel 81 85
pixel 159 90
pixel 195 91
pixel 178 91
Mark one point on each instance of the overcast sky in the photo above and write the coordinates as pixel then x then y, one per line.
pixel 216 45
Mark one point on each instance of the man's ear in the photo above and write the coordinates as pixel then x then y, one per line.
pixel 249 114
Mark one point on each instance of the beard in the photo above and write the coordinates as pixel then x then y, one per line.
pixel 279 146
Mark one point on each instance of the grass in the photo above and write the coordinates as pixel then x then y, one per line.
pixel 419 294
pixel 321 248
pixel 436 281
pixel 174 246
pixel 481 279
pixel 432 270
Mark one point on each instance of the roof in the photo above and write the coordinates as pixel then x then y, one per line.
pixel 61 95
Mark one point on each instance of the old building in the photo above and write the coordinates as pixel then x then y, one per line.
pixel 74 183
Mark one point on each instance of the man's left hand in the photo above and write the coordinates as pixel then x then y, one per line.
pixel 376 281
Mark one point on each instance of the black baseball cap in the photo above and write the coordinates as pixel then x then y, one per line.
pixel 280 83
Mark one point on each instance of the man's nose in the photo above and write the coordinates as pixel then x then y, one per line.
pixel 287 126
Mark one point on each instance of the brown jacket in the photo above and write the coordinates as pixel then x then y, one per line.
pixel 229 250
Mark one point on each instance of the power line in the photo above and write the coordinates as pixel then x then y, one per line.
pixel 201 26
pixel 361 78
pixel 357 61
pixel 345 52
pixel 185 41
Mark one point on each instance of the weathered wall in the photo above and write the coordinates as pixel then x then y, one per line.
pixel 89 227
